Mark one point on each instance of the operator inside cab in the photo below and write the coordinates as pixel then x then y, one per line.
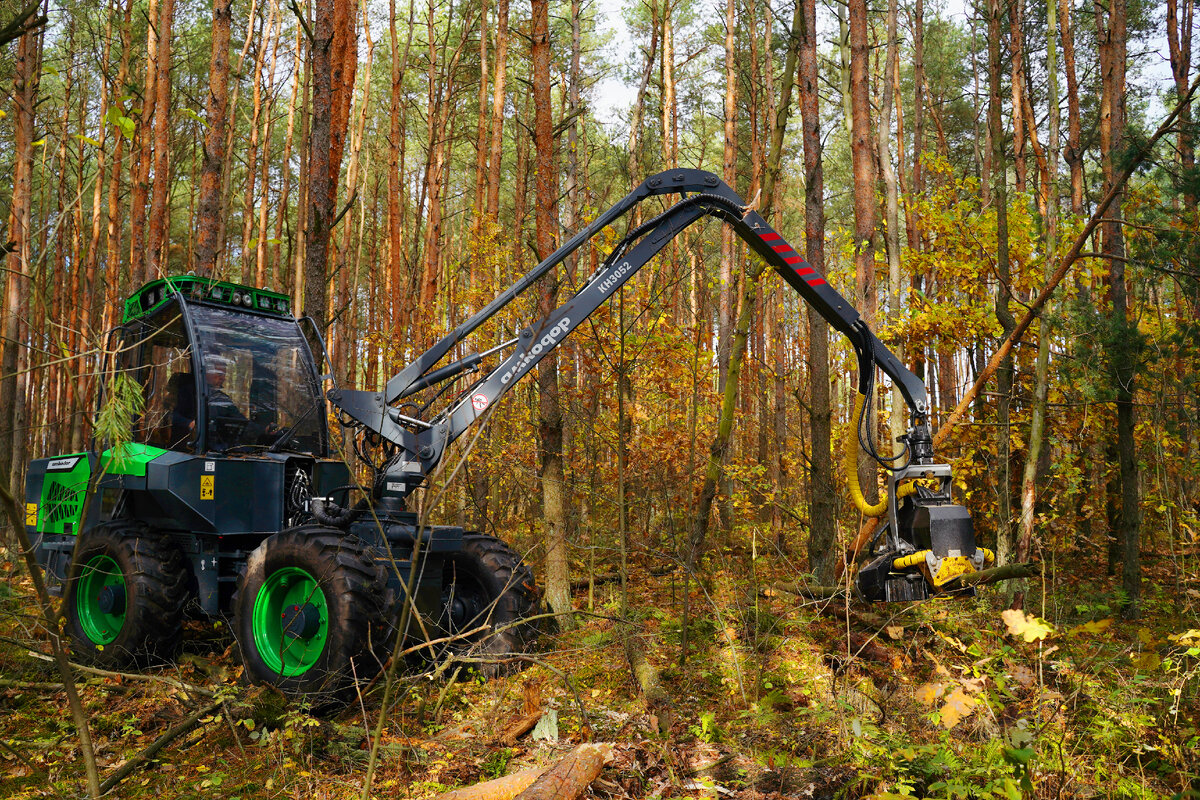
pixel 226 422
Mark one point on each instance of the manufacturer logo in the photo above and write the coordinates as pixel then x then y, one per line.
pixel 548 341
pixel 63 464
pixel 479 402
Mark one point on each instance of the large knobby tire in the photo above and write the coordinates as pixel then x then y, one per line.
pixel 309 614
pixel 486 584
pixel 125 596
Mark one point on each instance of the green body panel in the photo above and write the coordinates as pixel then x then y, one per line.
pixel 130 459
pixel 155 294
pixel 60 503
pixel 64 487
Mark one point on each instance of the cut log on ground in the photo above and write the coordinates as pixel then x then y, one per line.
pixel 658 702
pixel 519 728
pixel 569 778
pixel 505 788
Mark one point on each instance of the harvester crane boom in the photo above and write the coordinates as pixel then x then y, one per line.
pixel 421 444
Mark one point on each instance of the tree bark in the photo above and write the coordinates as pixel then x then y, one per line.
pixel 141 170
pixel 481 126
pixel 320 184
pixel 1124 342
pixel 823 491
pixel 550 421
pixel 212 169
pixel 504 788
pixel 1179 43
pixel 156 241
pixel 864 200
pixel 1074 151
pixel 1004 381
pixel 568 779
pixel 1016 13
pixel 26 76
pixel 1041 370
pixel 899 417
pixel 728 288
pixel 495 157
pixel 112 235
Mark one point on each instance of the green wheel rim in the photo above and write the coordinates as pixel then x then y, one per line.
pixel 286 647
pixel 101 577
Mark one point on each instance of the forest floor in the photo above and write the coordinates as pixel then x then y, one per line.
pixel 778 697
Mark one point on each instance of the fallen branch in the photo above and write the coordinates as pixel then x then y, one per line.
pixel 1007 572
pixel 6 683
pixel 808 590
pixel 130 676
pixel 569 778
pixel 658 702
pixel 505 788
pixel 146 755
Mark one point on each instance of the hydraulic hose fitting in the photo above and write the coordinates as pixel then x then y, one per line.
pixel 921 440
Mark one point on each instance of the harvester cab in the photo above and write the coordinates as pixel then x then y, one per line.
pixel 223 369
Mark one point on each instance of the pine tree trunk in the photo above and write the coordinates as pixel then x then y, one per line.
pixel 26 73
pixel 1004 375
pixel 211 171
pixel 481 127
pixel 864 200
pixel 1111 33
pixel 550 421
pixel 495 156
pixel 1074 151
pixel 1041 370
pixel 141 171
pixel 899 416
pixel 1016 13
pixel 1179 43
pixel 320 189
pixel 727 307
pixel 823 490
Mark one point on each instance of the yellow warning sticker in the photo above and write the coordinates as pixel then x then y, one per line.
pixel 206 487
pixel 31 514
pixel 952 568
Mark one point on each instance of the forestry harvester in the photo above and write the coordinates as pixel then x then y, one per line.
pixel 227 501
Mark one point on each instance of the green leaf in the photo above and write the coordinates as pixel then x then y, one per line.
pixel 124 124
pixel 87 139
pixel 187 112
pixel 1019 756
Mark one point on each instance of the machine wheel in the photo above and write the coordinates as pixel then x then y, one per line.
pixel 125 596
pixel 308 613
pixel 486 583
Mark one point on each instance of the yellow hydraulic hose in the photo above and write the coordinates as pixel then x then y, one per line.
pixel 910 560
pixel 860 502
